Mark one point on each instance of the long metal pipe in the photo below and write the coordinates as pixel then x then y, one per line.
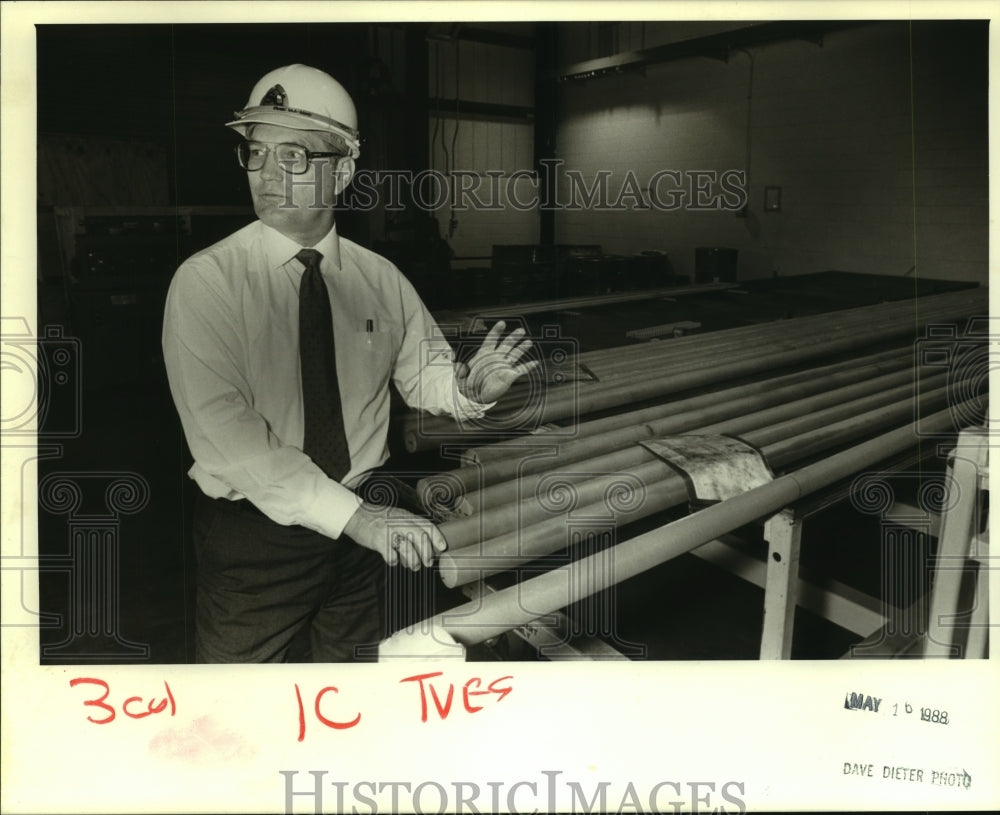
pixel 529 542
pixel 786 418
pixel 779 404
pixel 684 353
pixel 776 337
pixel 773 336
pixel 875 322
pixel 539 307
pixel 621 506
pixel 852 370
pixel 561 403
pixel 911 308
pixel 810 328
pixel 493 614
pixel 601 435
pixel 623 376
pixel 494 521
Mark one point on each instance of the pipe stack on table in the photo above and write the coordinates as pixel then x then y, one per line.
pixel 634 483
pixel 513 501
pixel 640 373
pixel 492 614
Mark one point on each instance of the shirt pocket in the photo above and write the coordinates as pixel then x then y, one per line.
pixel 374 347
pixel 375 334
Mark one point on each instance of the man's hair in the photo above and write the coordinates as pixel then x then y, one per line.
pixel 333 141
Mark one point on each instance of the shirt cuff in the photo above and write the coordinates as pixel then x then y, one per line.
pixel 334 507
pixel 466 408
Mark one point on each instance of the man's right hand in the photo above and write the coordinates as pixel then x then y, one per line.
pixel 397 535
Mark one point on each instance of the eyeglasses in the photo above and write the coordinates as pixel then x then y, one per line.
pixel 292 158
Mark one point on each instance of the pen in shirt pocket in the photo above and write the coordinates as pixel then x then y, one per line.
pixel 369 329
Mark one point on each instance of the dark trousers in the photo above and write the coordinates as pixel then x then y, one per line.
pixel 262 585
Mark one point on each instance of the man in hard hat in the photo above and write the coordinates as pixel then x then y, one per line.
pixel 280 342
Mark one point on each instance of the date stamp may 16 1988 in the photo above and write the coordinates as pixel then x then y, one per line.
pixel 937 776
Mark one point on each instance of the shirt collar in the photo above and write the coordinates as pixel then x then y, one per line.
pixel 280 249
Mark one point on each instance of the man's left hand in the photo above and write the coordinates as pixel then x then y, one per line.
pixel 495 366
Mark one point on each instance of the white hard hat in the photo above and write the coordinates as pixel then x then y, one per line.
pixel 301 98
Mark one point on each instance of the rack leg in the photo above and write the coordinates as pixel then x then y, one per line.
pixel 783 533
pixel 958 530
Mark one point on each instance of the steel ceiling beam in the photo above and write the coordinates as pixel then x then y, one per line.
pixel 714 46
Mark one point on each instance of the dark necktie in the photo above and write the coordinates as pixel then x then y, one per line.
pixel 325 440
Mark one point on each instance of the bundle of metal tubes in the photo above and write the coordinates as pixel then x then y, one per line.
pixel 640 373
pixel 490 615
pixel 511 501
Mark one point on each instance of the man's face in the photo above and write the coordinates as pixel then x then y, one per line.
pixel 298 206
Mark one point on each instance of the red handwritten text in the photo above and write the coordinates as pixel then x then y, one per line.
pixel 134 706
pixel 317 709
pixel 470 691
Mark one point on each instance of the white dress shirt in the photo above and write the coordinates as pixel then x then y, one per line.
pixel 231 347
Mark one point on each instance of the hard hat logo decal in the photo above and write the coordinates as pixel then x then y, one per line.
pixel 275 96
